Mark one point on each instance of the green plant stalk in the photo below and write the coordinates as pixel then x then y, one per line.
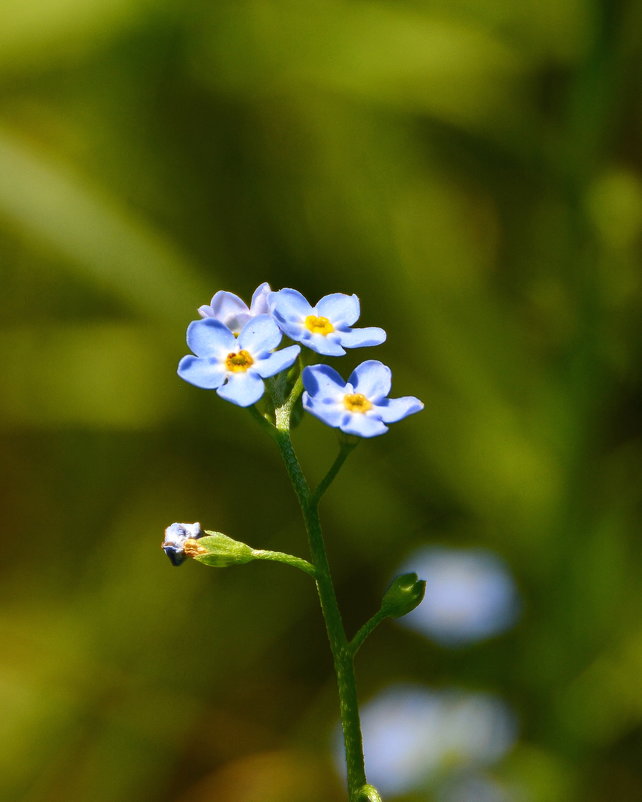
pixel 367 629
pixel 339 645
pixel 324 484
pixel 286 559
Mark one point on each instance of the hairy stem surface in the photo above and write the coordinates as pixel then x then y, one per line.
pixel 341 651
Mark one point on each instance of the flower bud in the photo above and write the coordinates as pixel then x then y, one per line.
pixel 403 595
pixel 176 535
pixel 218 550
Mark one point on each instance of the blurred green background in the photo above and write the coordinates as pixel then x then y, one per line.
pixel 472 171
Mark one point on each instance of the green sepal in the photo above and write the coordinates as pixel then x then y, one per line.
pixel 219 550
pixel 368 793
pixel 403 595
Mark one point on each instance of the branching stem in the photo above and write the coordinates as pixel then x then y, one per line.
pixel 341 652
pixel 366 630
pixel 324 484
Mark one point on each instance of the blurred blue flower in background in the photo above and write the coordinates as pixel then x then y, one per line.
pixel 414 736
pixel 470 595
pixel 473 787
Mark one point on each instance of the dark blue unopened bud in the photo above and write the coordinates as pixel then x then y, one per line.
pixel 175 537
pixel 404 594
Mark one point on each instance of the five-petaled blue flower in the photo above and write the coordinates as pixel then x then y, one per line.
pixel 234 312
pixel 325 328
pixel 235 367
pixel 359 406
pixel 175 537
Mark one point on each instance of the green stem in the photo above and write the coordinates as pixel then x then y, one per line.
pixel 324 484
pixel 263 422
pixel 284 412
pixel 286 559
pixel 341 652
pixel 366 630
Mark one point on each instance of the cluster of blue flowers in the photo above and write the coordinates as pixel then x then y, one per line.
pixel 235 350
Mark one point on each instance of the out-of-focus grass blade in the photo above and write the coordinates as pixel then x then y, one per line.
pixel 45 201
pixel 41 33
pixel 380 53
pixel 105 375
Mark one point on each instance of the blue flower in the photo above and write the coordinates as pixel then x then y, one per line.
pixel 472 595
pixel 414 737
pixel 325 328
pixel 233 312
pixel 235 367
pixel 175 537
pixel 361 405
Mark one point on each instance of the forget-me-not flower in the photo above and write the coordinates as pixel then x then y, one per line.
pixel 235 367
pixel 414 735
pixel 478 786
pixel 175 536
pixel 325 328
pixel 472 595
pixel 233 312
pixel 359 406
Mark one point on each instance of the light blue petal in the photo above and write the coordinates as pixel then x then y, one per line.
pixel 329 410
pixel 339 308
pixel 391 410
pixel 362 425
pixel 229 309
pixel 326 344
pixel 372 378
pixel 360 338
pixel 259 334
pixel 292 329
pixel 209 337
pixel 202 372
pixel 276 362
pixel 289 305
pixel 260 305
pixel 243 389
pixel 226 305
pixel 322 381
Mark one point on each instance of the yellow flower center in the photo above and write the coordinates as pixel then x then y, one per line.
pixel 356 402
pixel 239 362
pixel 318 325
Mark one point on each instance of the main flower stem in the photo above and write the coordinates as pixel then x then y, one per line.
pixel 341 651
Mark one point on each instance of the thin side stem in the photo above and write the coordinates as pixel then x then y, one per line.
pixel 324 484
pixel 341 652
pixel 286 559
pixel 263 422
pixel 366 630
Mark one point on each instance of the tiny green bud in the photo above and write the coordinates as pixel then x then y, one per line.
pixel 218 550
pixel 403 595
pixel 368 793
